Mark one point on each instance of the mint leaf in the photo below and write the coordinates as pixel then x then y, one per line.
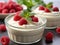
pixel 20 1
pixel 37 0
pixel 49 5
pixel 42 3
pixel 29 19
pixel 31 3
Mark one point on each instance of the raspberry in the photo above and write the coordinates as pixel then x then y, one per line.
pixel 12 11
pixel 17 17
pixel 47 10
pixel 22 21
pixel 0 10
pixel 1 4
pixel 5 6
pixel 19 8
pixel 55 9
pixel 11 6
pixel 5 11
pixel 5 40
pixel 49 37
pixel 58 30
pixel 17 5
pixel 2 27
pixel 35 19
pixel 32 16
pixel 41 7
pixel 10 1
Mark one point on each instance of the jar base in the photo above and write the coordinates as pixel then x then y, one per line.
pixel 50 28
pixel 27 43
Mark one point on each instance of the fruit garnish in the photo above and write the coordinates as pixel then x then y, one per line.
pixel 22 21
pixel 49 37
pixel 58 30
pixel 10 7
pixel 32 16
pixel 19 8
pixel 25 17
pixel 47 10
pixel 12 11
pixel 35 19
pixel 17 17
pixel 1 4
pixel 0 10
pixel 2 27
pixel 5 40
pixel 5 11
pixel 49 5
pixel 5 6
pixel 41 8
pixel 11 1
pixel 56 9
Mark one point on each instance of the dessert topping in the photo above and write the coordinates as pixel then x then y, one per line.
pixel 49 37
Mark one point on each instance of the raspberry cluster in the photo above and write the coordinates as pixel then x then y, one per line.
pixel 10 7
pixel 55 9
pixel 22 20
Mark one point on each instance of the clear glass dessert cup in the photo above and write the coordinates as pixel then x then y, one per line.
pixel 53 21
pixel 25 36
pixel 53 18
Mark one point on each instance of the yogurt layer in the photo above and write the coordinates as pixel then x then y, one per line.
pixel 33 25
pixel 37 11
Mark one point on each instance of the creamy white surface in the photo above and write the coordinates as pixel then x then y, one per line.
pixel 29 26
pixel 37 11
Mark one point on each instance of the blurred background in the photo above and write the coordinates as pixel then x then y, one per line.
pixel 55 2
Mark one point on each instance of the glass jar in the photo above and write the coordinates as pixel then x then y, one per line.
pixel 23 35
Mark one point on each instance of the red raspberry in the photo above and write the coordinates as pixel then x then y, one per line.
pixel 2 27
pixel 47 10
pixel 41 8
pixel 49 37
pixel 10 1
pixel 17 5
pixel 17 17
pixel 32 16
pixel 12 11
pixel 22 21
pixel 1 4
pixel 56 9
pixel 35 19
pixel 5 40
pixel 5 11
pixel 5 6
pixel 11 6
pixel 0 10
pixel 58 30
pixel 19 8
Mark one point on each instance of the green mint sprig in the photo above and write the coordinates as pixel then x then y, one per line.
pixel 26 14
pixel 49 5
pixel 30 3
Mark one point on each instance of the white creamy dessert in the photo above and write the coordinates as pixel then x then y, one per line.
pixel 53 17
pixel 25 34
